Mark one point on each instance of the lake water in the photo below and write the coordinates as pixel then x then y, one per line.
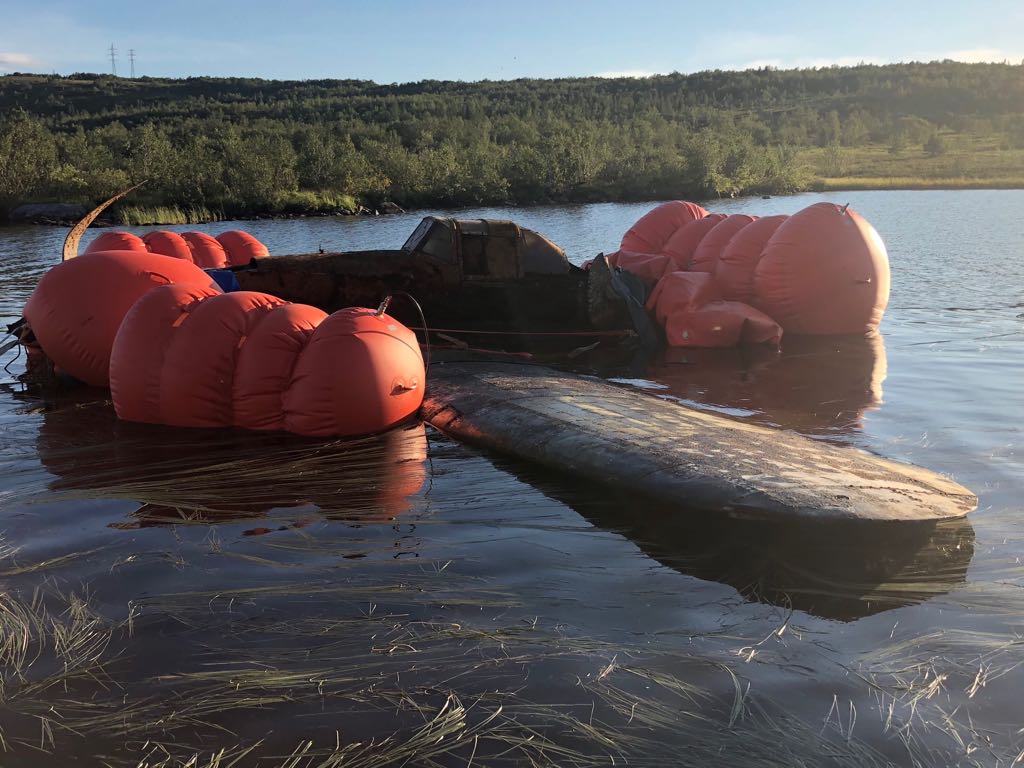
pixel 409 600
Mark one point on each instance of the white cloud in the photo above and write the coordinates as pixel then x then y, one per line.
pixel 761 64
pixel 10 61
pixel 629 73
pixel 976 55
pixel 839 61
pixel 968 55
pixel 807 63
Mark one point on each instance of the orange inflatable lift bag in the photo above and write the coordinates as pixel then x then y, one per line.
pixel 117 241
pixel 824 271
pixel 78 305
pixel 722 324
pixel 167 244
pixel 688 306
pixel 206 251
pixel 734 271
pixel 652 231
pixel 190 357
pixel 685 240
pixel 681 292
pixel 140 349
pixel 263 370
pixel 705 256
pixel 175 355
pixel 649 267
pixel 241 247
pixel 360 373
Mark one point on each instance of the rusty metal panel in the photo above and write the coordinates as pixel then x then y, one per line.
pixel 502 257
pixel 488 249
pixel 539 256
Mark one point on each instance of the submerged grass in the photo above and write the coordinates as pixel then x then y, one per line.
pixel 454 693
pixel 457 692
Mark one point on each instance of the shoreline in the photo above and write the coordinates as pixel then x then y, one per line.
pixel 818 185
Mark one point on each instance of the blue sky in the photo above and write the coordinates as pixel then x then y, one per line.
pixel 400 41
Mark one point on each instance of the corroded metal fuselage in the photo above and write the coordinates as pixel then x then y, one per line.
pixel 490 277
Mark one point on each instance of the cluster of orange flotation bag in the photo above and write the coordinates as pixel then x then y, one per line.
pixel 724 280
pixel 195 357
pixel 175 349
pixel 228 249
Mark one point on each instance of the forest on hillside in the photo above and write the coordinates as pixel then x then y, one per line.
pixel 248 146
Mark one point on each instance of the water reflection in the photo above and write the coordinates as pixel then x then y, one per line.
pixel 219 475
pixel 822 386
pixel 835 571
pixel 815 385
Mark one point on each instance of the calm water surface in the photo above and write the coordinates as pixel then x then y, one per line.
pixel 172 592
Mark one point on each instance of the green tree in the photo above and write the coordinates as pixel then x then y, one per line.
pixel 153 157
pixel 258 169
pixel 28 157
pixel 834 162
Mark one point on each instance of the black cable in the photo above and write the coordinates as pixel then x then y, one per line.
pixel 13 360
pixel 426 333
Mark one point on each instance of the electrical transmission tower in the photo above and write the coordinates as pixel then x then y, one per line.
pixel 131 58
pixel 113 60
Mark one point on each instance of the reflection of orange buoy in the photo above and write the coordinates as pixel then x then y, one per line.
pixel 78 305
pixel 406 469
pixel 815 384
pixel 90 452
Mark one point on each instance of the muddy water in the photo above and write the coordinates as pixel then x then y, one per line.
pixel 174 592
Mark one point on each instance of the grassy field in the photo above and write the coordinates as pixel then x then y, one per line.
pixel 966 163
